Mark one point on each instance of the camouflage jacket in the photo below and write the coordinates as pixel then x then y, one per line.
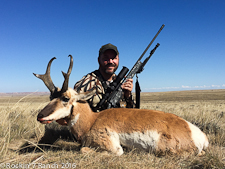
pixel 94 80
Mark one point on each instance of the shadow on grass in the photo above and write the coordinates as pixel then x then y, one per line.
pixel 55 138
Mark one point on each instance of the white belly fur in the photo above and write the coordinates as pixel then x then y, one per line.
pixel 146 141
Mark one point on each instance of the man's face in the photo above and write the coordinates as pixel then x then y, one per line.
pixel 108 61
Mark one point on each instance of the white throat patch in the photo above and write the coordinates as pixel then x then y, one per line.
pixel 74 121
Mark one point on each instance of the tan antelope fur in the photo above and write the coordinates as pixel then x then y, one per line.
pixel 109 130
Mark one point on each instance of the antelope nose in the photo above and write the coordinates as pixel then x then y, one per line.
pixel 40 116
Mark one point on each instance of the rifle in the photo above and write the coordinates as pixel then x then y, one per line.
pixel 113 93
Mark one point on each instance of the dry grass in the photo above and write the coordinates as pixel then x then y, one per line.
pixel 24 141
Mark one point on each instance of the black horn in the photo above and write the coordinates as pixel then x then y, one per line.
pixel 46 78
pixel 66 76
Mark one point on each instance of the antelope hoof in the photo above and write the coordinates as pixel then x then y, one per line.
pixel 202 153
pixel 86 150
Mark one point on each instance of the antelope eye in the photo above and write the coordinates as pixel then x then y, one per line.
pixel 65 99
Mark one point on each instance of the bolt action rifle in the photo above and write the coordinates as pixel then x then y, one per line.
pixel 113 93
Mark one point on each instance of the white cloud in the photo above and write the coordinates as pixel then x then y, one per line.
pixel 202 87
pixel 162 88
pixel 170 87
pixel 215 86
pixel 186 87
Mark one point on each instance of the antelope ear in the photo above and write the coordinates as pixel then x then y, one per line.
pixel 86 95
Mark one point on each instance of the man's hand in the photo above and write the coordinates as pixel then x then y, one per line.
pixel 127 88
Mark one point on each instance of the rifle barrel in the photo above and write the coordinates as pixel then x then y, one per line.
pixel 151 53
pixel 151 42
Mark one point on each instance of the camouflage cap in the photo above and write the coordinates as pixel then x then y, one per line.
pixel 106 47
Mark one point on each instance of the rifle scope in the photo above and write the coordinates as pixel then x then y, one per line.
pixel 113 85
pixel 119 77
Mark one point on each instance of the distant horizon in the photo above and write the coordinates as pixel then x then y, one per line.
pixel 183 87
pixel 160 89
pixel 47 93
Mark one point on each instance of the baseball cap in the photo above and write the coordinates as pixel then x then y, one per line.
pixel 106 47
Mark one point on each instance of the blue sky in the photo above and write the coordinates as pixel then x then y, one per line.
pixel 190 55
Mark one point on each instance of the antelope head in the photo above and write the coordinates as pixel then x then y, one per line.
pixel 61 99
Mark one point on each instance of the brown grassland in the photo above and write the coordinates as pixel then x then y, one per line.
pixel 24 141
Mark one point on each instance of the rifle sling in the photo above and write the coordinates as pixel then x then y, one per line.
pixel 137 93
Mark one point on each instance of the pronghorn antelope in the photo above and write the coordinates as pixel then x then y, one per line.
pixel 110 129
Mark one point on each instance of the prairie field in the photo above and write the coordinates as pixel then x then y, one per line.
pixel 25 143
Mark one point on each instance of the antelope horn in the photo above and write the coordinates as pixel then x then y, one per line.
pixel 66 75
pixel 46 78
